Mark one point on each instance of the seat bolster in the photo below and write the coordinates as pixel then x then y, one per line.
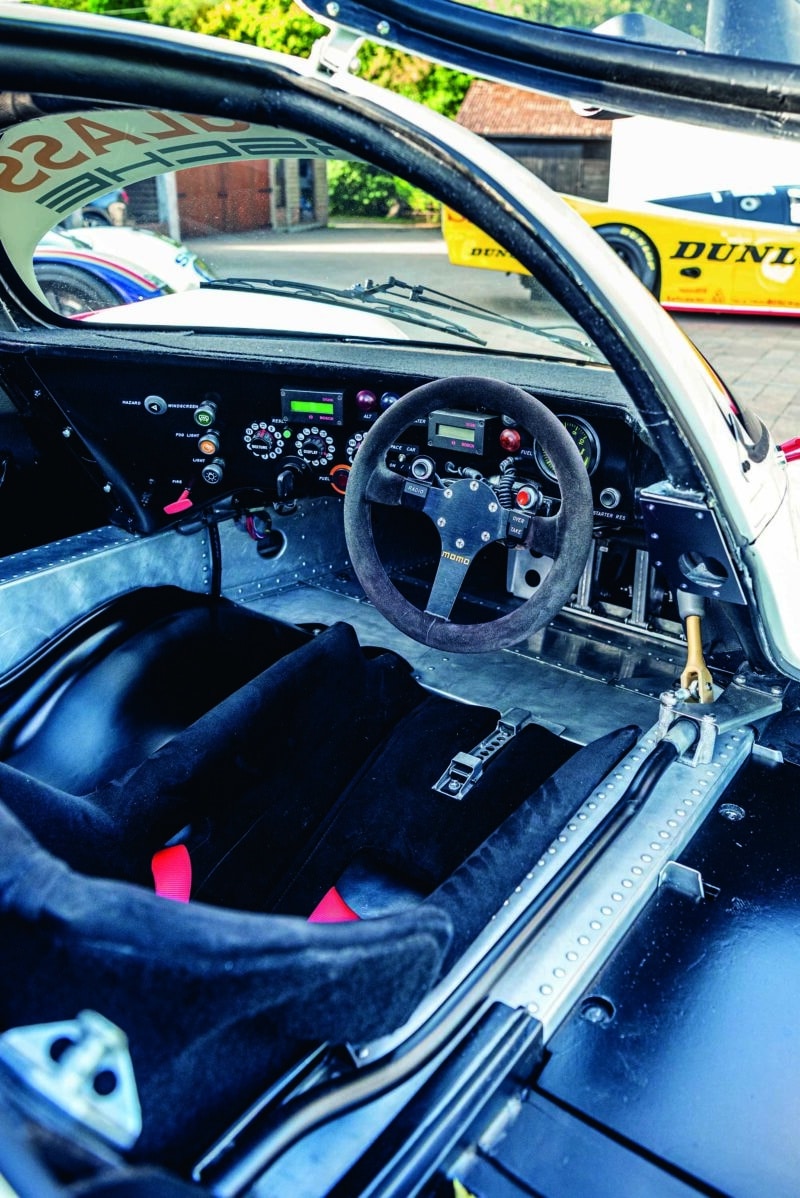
pixel 71 941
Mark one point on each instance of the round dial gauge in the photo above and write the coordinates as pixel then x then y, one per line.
pixel 586 440
pixel 353 445
pixel 314 446
pixel 263 439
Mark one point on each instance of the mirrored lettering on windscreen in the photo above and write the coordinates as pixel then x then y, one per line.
pixel 159 219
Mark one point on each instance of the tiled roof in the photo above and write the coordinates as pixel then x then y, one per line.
pixel 497 110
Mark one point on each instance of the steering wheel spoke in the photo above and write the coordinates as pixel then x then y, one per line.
pixel 385 486
pixel 544 535
pixel 450 575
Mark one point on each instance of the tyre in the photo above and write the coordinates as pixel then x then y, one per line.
pixel 636 250
pixel 536 291
pixel 94 218
pixel 70 290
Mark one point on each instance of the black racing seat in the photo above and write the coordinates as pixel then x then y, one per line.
pixel 110 689
pixel 321 762
pixel 263 764
pixel 213 1002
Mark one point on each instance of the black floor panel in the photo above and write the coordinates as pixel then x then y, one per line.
pixel 697 1062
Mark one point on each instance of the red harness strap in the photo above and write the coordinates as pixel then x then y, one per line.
pixel 172 873
pixel 332 908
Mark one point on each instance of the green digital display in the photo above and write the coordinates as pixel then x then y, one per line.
pixel 462 432
pixel 312 407
pixel 456 432
pixel 298 405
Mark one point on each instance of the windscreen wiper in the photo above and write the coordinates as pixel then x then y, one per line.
pixel 356 297
pixel 420 294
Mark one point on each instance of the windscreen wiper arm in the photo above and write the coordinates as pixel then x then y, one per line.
pixel 421 294
pixel 357 298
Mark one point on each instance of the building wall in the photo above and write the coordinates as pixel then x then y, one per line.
pixel 236 197
pixel 300 193
pixel 230 197
pixel 569 151
pixel 572 166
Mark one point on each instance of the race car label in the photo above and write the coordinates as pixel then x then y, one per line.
pixel 63 161
pixel 720 251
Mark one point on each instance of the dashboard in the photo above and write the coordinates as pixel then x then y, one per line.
pixel 169 438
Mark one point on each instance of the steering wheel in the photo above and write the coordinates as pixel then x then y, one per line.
pixel 469 515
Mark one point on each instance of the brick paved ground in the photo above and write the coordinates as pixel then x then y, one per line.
pixel 759 360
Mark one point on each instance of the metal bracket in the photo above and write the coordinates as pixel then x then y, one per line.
pixel 737 706
pixel 336 51
pixel 686 542
pixel 686 881
pixel 466 768
pixel 83 1069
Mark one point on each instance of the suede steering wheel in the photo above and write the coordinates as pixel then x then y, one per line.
pixel 469 515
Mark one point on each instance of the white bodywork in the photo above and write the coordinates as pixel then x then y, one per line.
pixel 220 309
pixel 174 264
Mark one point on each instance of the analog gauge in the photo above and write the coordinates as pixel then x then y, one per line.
pixel 353 445
pixel 264 440
pixel 586 440
pixel 314 446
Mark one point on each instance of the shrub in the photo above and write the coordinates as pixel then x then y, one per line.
pixel 360 190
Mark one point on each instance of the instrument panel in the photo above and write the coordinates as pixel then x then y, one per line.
pixel 180 437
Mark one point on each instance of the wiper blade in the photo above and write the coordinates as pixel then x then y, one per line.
pixel 421 294
pixel 356 298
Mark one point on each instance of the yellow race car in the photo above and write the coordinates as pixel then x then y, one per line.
pixel 691 262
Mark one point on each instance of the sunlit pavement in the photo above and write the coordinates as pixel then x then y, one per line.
pixel 758 358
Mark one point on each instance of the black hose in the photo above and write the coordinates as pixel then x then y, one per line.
pixel 215 550
pixel 649 773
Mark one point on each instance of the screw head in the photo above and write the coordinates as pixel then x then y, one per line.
pixel 441 522
pixel 486 536
pixel 597 1009
pixel 459 543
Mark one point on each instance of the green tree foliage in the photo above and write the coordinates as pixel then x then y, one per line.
pixel 108 8
pixel 281 25
pixel 427 82
pixel 356 189
pixel 687 15
pixel 272 24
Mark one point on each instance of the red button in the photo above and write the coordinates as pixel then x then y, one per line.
pixel 510 440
